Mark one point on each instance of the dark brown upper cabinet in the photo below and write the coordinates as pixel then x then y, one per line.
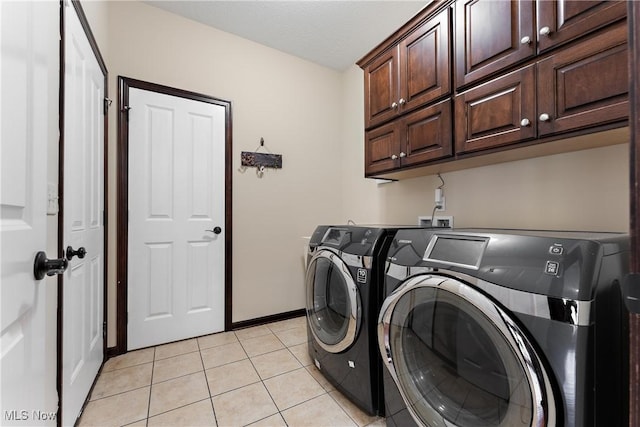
pixel 586 85
pixel 561 21
pixel 412 73
pixel 542 74
pixel 490 36
pixel 578 88
pixel 418 137
pixel 499 112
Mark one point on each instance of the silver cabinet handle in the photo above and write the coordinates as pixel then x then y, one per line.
pixel 525 40
pixel 394 105
pixel 525 122
pixel 403 154
pixel 544 31
pixel 544 117
pixel 394 157
pixel 401 101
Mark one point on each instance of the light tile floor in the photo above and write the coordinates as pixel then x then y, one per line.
pixel 259 376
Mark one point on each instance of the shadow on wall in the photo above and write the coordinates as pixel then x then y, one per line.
pixel 583 190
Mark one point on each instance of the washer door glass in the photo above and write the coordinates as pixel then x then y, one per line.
pixel 333 302
pixel 458 359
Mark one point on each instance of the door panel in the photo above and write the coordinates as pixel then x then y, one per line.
pixel 382 148
pixel 83 283
pixel 586 85
pixel 427 134
pixel 28 113
pixel 381 88
pixel 492 114
pixel 426 63
pixel 482 47
pixel 176 198
pixel 567 20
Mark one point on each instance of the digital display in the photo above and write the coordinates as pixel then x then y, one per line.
pixel 462 251
pixel 334 236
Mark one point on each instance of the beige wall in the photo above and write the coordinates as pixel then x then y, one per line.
pixel 314 117
pixel 292 103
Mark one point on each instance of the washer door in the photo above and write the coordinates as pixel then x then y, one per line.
pixel 333 302
pixel 459 360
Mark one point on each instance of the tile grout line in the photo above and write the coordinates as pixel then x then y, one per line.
pixel 206 379
pixel 263 385
pixel 153 365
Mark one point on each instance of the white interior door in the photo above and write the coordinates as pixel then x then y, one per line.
pixel 83 283
pixel 176 200
pixel 28 39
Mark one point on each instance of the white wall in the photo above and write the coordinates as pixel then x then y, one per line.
pixel 314 117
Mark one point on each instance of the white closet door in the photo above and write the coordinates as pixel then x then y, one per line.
pixel 83 283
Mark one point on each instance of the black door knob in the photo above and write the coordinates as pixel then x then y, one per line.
pixel 42 265
pixel 216 230
pixel 80 253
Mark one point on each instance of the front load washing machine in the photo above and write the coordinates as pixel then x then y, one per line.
pixel 344 293
pixel 504 328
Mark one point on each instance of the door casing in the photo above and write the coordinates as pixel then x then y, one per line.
pixel 122 228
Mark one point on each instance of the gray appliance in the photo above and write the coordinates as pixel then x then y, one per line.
pixel 504 328
pixel 344 293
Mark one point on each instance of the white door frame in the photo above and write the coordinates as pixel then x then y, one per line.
pixel 61 249
pixel 124 84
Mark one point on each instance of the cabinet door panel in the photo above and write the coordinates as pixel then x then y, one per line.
pixel 491 115
pixel 567 20
pixel 427 134
pixel 586 85
pixel 489 37
pixel 379 146
pixel 425 63
pixel 381 88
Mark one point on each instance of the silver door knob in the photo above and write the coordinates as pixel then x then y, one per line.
pixel 525 122
pixel 525 40
pixel 544 31
pixel 394 105
pixel 544 117
pixel 394 157
pixel 403 154
pixel 401 101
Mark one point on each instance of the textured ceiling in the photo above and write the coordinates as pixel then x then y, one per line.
pixel 332 33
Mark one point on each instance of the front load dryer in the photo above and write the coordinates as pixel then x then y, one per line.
pixel 504 328
pixel 344 293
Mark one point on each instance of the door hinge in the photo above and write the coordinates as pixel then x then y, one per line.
pixel 107 104
pixel 104 219
pixel 104 329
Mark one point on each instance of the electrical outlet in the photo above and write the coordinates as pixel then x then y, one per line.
pixel 440 221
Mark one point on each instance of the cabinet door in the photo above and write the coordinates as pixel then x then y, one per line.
pixel 425 63
pixel 491 35
pixel 382 148
pixel 562 20
pixel 381 92
pixel 586 85
pixel 426 134
pixel 497 113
